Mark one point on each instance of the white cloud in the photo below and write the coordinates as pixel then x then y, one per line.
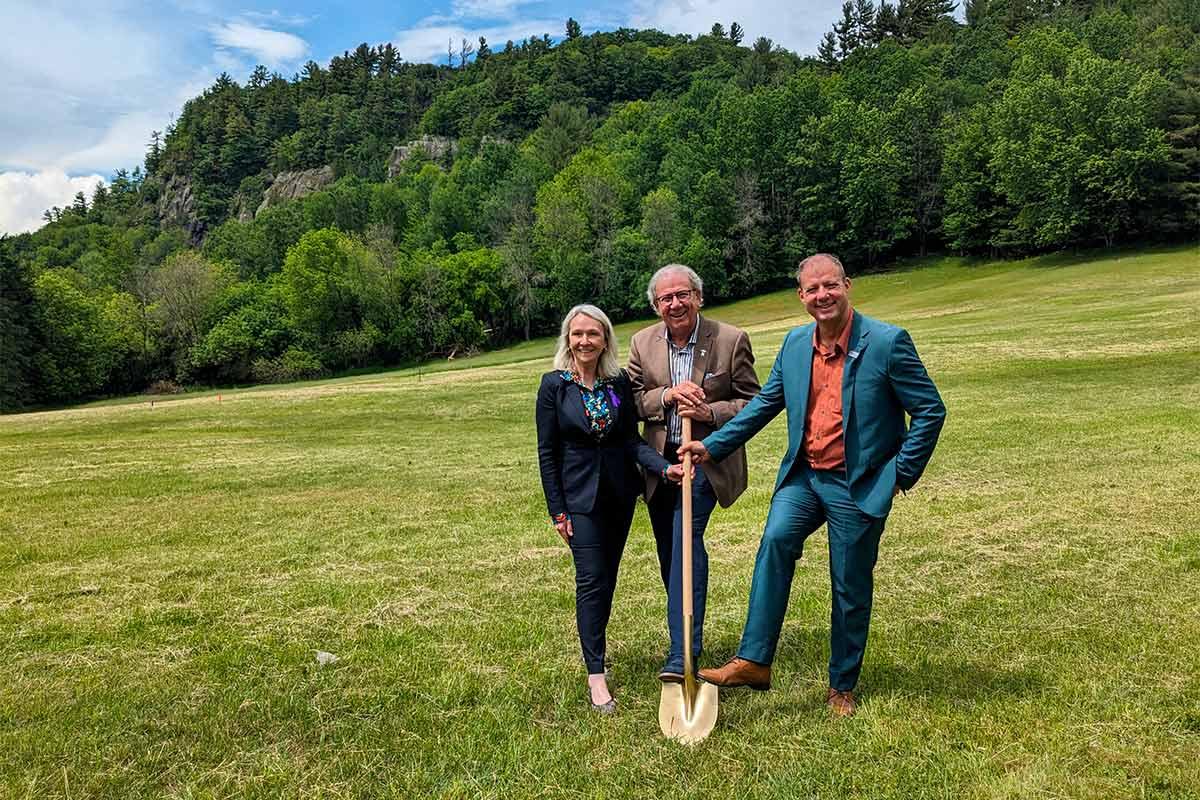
pixel 84 51
pixel 79 87
pixel 798 26
pixel 83 89
pixel 124 143
pixel 272 48
pixel 24 196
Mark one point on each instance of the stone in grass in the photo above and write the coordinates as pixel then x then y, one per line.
pixel 325 659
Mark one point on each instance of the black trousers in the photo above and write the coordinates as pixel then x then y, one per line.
pixel 666 518
pixel 598 542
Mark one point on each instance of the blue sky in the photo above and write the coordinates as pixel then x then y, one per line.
pixel 84 84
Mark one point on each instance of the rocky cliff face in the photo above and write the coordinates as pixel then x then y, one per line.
pixel 177 203
pixel 177 207
pixel 440 149
pixel 293 185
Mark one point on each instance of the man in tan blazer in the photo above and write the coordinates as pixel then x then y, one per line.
pixel 688 366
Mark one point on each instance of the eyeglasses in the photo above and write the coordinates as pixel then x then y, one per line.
pixel 683 295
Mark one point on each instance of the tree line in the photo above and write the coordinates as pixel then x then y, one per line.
pixel 583 164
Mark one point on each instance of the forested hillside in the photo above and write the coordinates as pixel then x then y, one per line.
pixel 379 212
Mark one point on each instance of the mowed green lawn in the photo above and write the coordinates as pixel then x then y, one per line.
pixel 168 573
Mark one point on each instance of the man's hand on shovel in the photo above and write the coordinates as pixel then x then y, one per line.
pixel 696 448
pixel 675 473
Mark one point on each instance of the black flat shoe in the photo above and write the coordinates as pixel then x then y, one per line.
pixel 603 708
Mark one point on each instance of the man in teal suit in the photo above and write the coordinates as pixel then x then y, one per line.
pixel 846 382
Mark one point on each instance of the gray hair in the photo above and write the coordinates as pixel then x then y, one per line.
pixel 816 256
pixel 693 279
pixel 609 366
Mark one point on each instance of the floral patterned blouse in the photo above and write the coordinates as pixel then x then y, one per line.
pixel 600 403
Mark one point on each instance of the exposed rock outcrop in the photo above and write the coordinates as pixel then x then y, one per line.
pixel 293 185
pixel 440 149
pixel 244 209
pixel 177 207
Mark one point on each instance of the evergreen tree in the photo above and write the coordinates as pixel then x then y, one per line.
pixel 17 332
pixel 240 153
pixel 154 152
pixel 846 31
pixel 887 22
pixel 563 130
pixel 1182 189
pixel 389 61
pixel 864 22
pixel 259 77
pixel 917 18
pixel 827 51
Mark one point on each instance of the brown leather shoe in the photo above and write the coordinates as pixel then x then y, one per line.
pixel 739 672
pixel 841 704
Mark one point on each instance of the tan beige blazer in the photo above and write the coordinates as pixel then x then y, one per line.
pixel 723 364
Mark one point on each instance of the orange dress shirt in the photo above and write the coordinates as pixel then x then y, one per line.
pixel 824 444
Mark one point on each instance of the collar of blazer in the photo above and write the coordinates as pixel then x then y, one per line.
pixel 705 334
pixel 859 333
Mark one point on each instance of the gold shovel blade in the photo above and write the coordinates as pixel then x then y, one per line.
pixel 673 715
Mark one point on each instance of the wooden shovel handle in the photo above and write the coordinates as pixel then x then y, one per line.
pixel 686 527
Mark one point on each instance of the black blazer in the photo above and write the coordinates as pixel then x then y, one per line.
pixel 570 458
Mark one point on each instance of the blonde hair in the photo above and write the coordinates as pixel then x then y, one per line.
pixel 608 365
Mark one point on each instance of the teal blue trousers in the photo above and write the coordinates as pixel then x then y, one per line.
pixel 806 500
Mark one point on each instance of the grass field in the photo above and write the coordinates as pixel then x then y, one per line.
pixel 168 573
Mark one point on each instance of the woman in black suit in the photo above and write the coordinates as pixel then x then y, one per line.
pixel 588 451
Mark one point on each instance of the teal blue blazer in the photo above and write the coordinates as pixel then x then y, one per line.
pixel 883 380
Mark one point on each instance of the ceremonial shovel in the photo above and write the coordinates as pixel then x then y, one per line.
pixel 687 711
